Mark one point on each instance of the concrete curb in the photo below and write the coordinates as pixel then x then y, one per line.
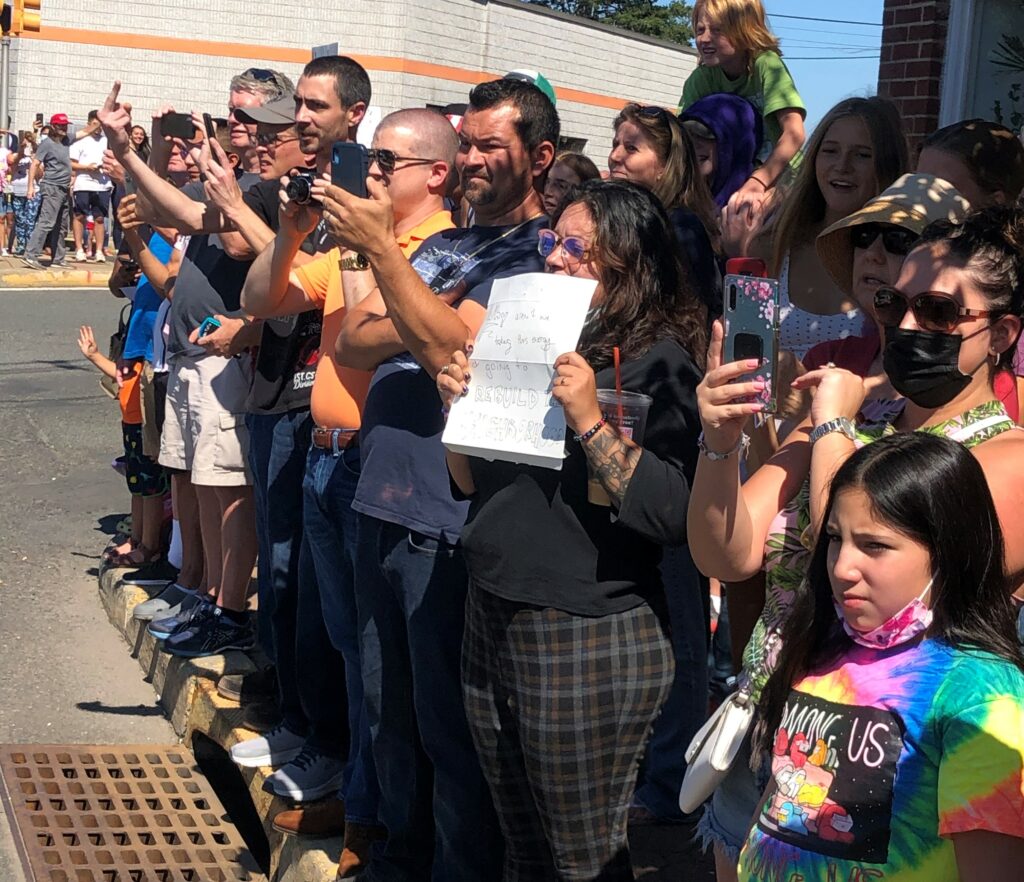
pixel 187 691
pixel 14 274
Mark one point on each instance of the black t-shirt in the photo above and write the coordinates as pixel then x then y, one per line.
pixel 532 536
pixel 209 282
pixel 404 477
pixel 699 258
pixel 290 345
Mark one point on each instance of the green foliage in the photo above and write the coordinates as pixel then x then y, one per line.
pixel 667 20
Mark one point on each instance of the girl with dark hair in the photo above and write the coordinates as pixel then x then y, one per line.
pixel 651 148
pixel 139 142
pixel 568 170
pixel 566 655
pixel 892 721
pixel 948 325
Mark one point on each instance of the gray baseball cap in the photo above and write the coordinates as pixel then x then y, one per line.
pixel 280 112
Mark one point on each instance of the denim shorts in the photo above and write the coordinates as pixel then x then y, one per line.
pixel 727 817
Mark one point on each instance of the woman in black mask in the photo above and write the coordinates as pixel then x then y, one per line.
pixel 949 324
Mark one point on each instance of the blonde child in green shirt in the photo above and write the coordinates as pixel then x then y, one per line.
pixel 739 55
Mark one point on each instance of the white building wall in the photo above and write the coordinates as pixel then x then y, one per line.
pixel 68 69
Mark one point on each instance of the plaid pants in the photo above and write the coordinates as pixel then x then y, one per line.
pixel 561 707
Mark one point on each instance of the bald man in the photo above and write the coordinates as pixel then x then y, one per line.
pixel 413 158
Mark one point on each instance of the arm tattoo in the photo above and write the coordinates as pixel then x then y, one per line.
pixel 613 459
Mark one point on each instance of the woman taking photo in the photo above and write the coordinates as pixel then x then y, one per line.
pixel 948 328
pixel 892 720
pixel 652 149
pixel 566 656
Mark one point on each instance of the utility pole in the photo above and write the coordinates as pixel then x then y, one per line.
pixel 5 64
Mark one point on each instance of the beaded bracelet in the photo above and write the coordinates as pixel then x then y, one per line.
pixel 590 433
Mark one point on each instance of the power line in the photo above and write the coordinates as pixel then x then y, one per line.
pixel 822 31
pixel 829 57
pixel 871 24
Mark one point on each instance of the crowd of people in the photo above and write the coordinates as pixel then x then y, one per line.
pixel 484 670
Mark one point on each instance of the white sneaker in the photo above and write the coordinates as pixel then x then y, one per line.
pixel 310 776
pixel 80 256
pixel 277 747
pixel 100 257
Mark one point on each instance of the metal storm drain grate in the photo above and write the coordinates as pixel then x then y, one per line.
pixel 84 813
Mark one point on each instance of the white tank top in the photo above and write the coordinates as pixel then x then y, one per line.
pixel 799 329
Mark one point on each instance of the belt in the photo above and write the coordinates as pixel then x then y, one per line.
pixel 335 440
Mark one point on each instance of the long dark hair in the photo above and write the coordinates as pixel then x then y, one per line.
pixel 932 490
pixel 648 295
pixel 991 153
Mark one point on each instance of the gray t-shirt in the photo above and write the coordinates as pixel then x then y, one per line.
pixel 55 157
pixel 209 282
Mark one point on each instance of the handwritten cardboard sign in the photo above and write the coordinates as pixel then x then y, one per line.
pixel 509 413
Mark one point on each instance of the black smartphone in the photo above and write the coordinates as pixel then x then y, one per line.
pixel 177 125
pixel 211 127
pixel 350 164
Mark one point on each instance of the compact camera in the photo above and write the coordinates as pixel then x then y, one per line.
pixel 300 187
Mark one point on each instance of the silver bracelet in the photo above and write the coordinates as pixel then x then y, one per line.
pixel 741 447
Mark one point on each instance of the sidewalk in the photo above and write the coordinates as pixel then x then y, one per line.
pixel 14 274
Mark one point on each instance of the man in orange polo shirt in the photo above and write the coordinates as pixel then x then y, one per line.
pixel 414 153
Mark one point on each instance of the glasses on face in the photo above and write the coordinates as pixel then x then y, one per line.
pixel 572 246
pixel 933 310
pixel 895 240
pixel 272 139
pixel 388 160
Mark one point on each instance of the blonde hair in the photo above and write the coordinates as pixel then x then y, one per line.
pixel 742 22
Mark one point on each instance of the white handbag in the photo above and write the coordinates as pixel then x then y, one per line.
pixel 714 748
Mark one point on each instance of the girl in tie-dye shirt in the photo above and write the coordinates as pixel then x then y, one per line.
pixel 894 720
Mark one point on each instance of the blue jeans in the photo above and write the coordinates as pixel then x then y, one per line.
pixel 328 489
pixel 277 459
pixel 435 802
pixel 687 706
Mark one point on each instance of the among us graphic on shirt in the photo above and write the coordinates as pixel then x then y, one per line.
pixel 833 768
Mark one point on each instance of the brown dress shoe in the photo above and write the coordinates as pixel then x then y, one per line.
pixel 355 856
pixel 324 818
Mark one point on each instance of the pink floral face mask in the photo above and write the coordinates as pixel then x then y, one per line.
pixel 910 621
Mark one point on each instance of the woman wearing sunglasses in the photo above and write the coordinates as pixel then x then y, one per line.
pixel 566 656
pixel 651 148
pixel 948 326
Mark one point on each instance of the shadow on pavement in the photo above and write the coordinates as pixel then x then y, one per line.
pixel 120 710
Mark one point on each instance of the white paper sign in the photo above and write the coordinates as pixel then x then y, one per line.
pixel 509 413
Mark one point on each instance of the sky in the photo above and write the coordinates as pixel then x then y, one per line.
pixel 841 59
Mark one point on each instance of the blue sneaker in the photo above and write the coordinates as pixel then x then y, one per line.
pixel 210 634
pixel 180 616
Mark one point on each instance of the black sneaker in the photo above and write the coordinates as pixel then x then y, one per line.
pixel 159 572
pixel 212 634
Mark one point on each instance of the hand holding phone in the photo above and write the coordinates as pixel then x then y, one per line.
pixel 208 325
pixel 350 166
pixel 177 125
pixel 751 322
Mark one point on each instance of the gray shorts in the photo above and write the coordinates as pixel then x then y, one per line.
pixel 729 815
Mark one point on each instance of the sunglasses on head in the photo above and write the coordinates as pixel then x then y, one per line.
pixel 895 240
pixel 261 74
pixel 388 160
pixel 653 112
pixel 933 310
pixel 549 240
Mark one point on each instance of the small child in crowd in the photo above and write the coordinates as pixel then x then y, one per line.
pixel 740 55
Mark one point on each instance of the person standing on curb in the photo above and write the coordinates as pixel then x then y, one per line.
pixel 53 155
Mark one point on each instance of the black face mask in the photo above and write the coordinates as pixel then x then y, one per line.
pixel 924 366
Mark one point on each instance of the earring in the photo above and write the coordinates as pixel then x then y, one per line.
pixel 995 358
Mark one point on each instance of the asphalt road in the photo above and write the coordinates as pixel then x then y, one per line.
pixel 65 673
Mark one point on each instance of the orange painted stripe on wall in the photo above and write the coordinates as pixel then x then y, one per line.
pixel 297 56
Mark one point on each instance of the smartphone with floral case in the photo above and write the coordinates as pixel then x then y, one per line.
pixel 751 306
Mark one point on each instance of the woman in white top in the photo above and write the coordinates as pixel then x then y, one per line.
pixel 26 210
pixel 856 151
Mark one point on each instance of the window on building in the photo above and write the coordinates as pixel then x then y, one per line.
pixel 571 145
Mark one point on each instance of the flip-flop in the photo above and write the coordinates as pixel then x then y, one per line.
pixel 125 560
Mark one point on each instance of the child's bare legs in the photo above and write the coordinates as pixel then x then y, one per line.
pixel 186 510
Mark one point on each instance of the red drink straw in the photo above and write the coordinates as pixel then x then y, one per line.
pixel 618 381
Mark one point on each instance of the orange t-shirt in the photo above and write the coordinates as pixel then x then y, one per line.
pixel 130 396
pixel 339 391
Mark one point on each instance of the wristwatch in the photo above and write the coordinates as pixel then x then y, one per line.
pixel 840 424
pixel 355 262
pixel 741 448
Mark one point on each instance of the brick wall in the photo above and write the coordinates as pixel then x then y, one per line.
pixel 913 49
pixel 476 35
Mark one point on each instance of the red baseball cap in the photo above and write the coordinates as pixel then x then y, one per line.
pixel 59 119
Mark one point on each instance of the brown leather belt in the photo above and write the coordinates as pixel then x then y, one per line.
pixel 335 440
